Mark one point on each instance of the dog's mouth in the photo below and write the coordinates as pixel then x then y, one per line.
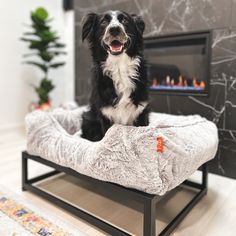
pixel 116 47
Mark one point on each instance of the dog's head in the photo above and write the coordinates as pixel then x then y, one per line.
pixel 115 32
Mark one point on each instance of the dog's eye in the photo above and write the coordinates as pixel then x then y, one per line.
pixel 104 22
pixel 124 21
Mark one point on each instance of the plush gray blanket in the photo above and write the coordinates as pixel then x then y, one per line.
pixel 130 156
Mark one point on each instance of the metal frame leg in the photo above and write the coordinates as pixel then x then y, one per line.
pixel 24 172
pixel 204 176
pixel 149 218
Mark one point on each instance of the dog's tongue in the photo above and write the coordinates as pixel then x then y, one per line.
pixel 116 46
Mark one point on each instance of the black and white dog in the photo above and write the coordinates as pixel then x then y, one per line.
pixel 119 82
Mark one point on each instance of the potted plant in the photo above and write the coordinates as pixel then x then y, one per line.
pixel 46 47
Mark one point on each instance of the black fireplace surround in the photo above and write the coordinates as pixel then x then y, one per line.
pixel 179 63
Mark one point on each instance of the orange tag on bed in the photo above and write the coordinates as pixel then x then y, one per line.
pixel 160 144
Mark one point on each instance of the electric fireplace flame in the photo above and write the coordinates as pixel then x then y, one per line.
pixel 179 64
pixel 181 84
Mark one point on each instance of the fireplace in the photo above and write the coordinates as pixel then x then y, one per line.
pixel 179 64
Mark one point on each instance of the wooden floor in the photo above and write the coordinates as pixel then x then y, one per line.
pixel 214 215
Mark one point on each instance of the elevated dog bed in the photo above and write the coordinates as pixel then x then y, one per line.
pixel 153 159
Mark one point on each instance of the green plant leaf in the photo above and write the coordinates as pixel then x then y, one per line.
pixel 57 45
pixel 27 40
pixel 47 36
pixel 36 20
pixel 44 35
pixel 42 94
pixel 46 56
pixel 41 13
pixel 39 45
pixel 56 53
pixel 56 65
pixel 45 87
pixel 29 33
pixel 43 67
pixel 40 27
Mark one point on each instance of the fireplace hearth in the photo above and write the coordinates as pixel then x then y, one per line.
pixel 179 64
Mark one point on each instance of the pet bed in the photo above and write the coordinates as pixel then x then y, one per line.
pixel 153 159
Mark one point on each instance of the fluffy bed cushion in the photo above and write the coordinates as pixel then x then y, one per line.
pixel 126 155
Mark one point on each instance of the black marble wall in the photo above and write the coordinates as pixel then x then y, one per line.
pixel 168 16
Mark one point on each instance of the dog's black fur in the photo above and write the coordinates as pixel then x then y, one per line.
pixel 104 94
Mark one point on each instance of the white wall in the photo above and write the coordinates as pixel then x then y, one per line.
pixel 15 91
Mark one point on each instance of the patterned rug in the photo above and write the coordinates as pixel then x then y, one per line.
pixel 20 218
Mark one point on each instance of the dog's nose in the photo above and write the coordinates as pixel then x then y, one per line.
pixel 115 30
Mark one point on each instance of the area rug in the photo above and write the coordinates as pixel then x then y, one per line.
pixel 18 217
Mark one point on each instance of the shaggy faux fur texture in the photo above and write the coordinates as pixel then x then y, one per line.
pixel 127 155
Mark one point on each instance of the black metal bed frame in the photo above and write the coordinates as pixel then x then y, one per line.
pixel 148 200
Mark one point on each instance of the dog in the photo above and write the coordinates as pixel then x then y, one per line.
pixel 119 93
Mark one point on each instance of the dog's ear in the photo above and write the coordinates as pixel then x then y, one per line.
pixel 140 25
pixel 88 24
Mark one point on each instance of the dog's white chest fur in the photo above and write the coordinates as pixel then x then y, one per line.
pixel 122 70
